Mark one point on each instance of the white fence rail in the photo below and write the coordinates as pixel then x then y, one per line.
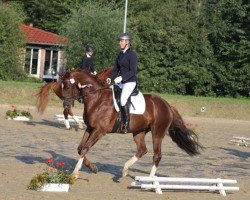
pixel 61 118
pixel 240 141
pixel 174 183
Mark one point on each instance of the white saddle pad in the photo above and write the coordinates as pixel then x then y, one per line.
pixel 138 102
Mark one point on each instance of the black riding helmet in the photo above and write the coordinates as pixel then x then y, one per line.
pixel 125 36
pixel 89 48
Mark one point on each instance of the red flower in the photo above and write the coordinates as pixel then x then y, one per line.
pixel 60 164
pixel 49 161
pixel 13 107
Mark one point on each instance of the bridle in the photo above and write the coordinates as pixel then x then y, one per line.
pixel 92 92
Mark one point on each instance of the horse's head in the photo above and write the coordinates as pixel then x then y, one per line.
pixel 70 88
pixel 85 81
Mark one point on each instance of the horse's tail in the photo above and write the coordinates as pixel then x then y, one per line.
pixel 185 138
pixel 43 96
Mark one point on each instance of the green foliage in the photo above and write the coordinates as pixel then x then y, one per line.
pixel 187 47
pixel 55 173
pixel 48 15
pixel 11 39
pixel 173 52
pixel 16 113
pixel 227 24
pixel 96 25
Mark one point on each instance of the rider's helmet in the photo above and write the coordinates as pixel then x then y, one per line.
pixel 89 48
pixel 125 36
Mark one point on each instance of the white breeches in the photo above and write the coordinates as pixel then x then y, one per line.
pixel 127 89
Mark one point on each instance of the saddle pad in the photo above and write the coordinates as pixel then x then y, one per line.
pixel 138 102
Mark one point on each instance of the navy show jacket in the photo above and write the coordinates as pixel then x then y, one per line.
pixel 125 66
pixel 87 64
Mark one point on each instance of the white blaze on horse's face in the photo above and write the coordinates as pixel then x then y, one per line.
pixel 72 80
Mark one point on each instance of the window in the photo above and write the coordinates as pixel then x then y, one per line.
pixel 51 61
pixel 31 61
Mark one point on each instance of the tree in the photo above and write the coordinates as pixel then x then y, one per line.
pixel 227 24
pixel 11 40
pixel 46 14
pixel 94 24
pixel 173 52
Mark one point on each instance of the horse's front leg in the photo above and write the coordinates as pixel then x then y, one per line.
pixel 66 121
pixel 86 143
pixel 79 123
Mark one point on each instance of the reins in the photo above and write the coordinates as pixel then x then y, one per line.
pixel 96 90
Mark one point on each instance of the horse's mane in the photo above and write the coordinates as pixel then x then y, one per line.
pixel 105 70
pixel 96 77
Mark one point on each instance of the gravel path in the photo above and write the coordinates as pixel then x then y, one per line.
pixel 25 146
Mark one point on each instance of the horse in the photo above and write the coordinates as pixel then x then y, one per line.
pixel 159 118
pixel 56 87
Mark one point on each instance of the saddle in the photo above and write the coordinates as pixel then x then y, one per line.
pixel 117 95
pixel 118 91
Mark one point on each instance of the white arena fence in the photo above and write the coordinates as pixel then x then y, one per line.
pixel 174 183
pixel 61 118
pixel 240 141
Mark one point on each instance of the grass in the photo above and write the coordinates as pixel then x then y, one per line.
pixel 24 93
pixel 216 107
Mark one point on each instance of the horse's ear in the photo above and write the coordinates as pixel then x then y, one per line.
pixel 67 74
pixel 61 74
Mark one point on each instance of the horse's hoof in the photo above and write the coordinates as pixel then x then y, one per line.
pixel 94 169
pixel 80 126
pixel 79 150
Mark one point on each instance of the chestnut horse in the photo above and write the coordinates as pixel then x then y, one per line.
pixel 56 87
pixel 160 118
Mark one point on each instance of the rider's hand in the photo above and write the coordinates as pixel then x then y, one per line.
pixel 118 79
pixel 108 81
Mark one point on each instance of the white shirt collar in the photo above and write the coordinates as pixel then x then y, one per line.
pixel 124 50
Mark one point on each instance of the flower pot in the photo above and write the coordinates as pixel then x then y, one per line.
pixel 20 118
pixel 54 187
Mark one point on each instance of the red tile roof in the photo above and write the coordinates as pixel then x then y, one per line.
pixel 39 36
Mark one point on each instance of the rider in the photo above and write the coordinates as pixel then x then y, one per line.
pixel 87 61
pixel 124 72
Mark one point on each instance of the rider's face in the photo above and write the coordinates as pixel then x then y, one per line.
pixel 123 43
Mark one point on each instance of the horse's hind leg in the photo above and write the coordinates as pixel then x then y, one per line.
pixel 157 155
pixel 141 150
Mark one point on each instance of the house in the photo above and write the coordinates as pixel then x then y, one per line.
pixel 43 53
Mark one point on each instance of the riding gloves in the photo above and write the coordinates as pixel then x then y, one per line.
pixel 118 79
pixel 108 81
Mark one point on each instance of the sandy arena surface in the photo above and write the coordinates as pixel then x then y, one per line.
pixel 25 146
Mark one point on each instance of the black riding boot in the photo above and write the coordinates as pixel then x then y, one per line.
pixel 125 117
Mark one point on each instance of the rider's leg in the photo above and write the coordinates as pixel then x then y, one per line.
pixel 127 89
